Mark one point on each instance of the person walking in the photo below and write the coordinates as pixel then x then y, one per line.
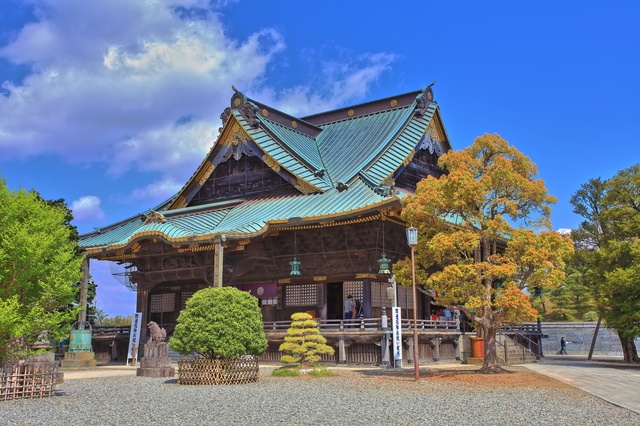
pixel 563 346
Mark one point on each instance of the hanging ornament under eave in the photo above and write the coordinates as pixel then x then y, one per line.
pixel 384 264
pixel 295 267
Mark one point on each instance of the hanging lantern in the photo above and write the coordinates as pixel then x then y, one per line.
pixel 384 264
pixel 295 267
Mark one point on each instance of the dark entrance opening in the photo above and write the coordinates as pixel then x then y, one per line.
pixel 334 301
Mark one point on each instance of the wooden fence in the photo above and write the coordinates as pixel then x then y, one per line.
pixel 27 381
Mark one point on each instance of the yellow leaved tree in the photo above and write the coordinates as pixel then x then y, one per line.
pixel 484 237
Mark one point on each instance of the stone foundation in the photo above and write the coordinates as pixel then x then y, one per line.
pixel 156 361
pixel 78 360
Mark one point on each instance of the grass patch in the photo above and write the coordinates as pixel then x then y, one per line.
pixel 298 370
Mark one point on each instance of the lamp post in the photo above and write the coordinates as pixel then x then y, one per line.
pixel 412 241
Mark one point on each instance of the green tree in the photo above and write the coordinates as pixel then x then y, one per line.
pixel 303 343
pixel 609 238
pixel 574 298
pixel 477 249
pixel 39 262
pixel 220 323
pixel 116 321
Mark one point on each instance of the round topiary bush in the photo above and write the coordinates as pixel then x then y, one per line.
pixel 220 323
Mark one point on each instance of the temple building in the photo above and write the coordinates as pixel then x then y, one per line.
pixel 299 211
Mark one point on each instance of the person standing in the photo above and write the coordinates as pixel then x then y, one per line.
pixel 358 310
pixel 563 346
pixel 348 307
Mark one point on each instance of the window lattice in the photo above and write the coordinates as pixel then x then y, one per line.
pixel 165 302
pixel 405 297
pixel 354 288
pixel 379 296
pixel 302 295
pixel 270 301
pixel 184 296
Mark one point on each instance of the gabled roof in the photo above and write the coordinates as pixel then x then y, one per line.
pixel 343 163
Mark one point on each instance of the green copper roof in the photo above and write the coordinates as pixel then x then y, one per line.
pixel 344 157
pixel 294 151
pixel 246 219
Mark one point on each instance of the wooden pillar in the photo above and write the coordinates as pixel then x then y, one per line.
pixel 218 258
pixel 410 352
pixel 342 353
pixel 435 344
pixel 142 305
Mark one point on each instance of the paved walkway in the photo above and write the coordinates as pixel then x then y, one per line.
pixel 605 377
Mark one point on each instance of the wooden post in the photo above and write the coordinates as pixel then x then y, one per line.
pixel 84 287
pixel 218 258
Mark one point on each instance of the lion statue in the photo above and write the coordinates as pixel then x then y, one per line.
pixel 156 334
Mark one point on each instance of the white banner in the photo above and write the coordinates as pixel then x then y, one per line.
pixel 396 329
pixel 134 336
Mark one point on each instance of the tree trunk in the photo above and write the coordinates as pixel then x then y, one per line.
pixel 629 350
pixel 490 365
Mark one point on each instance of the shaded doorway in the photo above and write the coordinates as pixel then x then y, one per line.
pixel 334 301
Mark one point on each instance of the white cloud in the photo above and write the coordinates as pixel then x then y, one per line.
pixel 564 231
pixel 339 83
pixel 105 73
pixel 87 208
pixel 139 86
pixel 158 190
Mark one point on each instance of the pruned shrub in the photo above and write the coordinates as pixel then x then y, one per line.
pixel 220 323
pixel 304 344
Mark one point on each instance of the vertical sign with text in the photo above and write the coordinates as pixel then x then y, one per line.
pixel 134 335
pixel 396 329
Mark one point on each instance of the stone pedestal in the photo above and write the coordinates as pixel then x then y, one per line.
pixel 47 360
pixel 78 360
pixel 156 361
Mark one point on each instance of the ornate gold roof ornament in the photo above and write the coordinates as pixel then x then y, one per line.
pixel 270 162
pixel 236 135
pixel 154 217
pixel 424 99
pixel 304 187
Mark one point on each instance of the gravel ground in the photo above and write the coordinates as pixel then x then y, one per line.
pixel 352 397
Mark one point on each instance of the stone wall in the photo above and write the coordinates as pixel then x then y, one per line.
pixel 579 336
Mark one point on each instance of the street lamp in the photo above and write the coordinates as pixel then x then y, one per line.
pixel 412 241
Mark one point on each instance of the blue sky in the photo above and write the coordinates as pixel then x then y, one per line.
pixel 112 104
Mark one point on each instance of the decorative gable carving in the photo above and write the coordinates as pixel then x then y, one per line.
pixel 244 177
pixel 154 217
pixel 424 161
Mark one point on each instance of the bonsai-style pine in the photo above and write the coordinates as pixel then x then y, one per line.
pixel 220 323
pixel 304 344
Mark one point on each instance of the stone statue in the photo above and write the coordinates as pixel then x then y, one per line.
pixel 156 334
